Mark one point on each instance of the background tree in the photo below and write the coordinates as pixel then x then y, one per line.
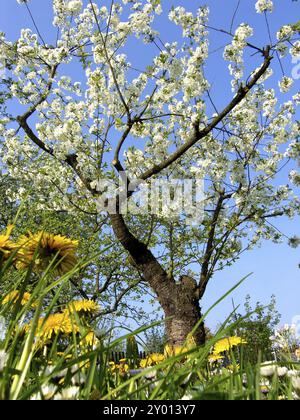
pixel 155 340
pixel 159 122
pixel 99 280
pixel 257 327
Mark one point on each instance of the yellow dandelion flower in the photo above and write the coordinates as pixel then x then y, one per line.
pixel 151 360
pixel 144 363
pixel 55 324
pixel 46 246
pixel 226 344
pixel 61 354
pixel 191 341
pixel 14 296
pixel 86 306
pixel 112 367
pixel 6 245
pixel 157 358
pixel 123 368
pixel 171 351
pixel 233 368
pixel 89 340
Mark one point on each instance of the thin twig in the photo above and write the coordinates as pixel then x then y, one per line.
pixel 34 23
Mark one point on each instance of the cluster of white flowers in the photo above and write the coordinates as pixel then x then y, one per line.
pixel 243 32
pixel 3 328
pixel 285 32
pixel 181 17
pixel 286 338
pixel 295 177
pixel 63 10
pixel 3 360
pixel 74 6
pixel 142 17
pixel 234 52
pixel 194 82
pixel 193 27
pixel 295 50
pixel 285 84
pixel 296 384
pixel 50 392
pixel 262 6
pixel 245 151
pixel 135 161
pixel 269 369
pixel 282 49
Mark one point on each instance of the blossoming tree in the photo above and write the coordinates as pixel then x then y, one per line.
pixel 157 122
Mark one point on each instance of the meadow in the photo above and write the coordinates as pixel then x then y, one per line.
pixel 50 348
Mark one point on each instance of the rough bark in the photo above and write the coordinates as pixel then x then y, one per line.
pixel 143 259
pixel 179 301
pixel 185 314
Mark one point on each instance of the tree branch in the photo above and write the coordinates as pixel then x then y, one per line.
pixel 23 124
pixel 80 290
pixel 118 300
pixel 209 246
pixel 105 285
pixel 116 162
pixel 227 234
pixel 143 259
pixel 43 97
pixel 198 135
pixel 110 65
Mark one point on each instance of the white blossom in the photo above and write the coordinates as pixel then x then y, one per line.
pixel 285 32
pixel 285 84
pixel 3 360
pixel 85 116
pixel 74 6
pixel 282 49
pixel 234 52
pixel 187 397
pixel 295 50
pixel 47 393
pixel 264 6
pixel 3 328
pixel 243 32
pixel 293 373
pixel 69 393
pixel 296 384
pixel 295 177
pixel 269 369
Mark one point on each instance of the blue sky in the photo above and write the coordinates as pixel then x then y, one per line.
pixel 275 267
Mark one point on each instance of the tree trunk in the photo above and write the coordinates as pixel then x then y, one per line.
pixel 183 313
pixel 179 301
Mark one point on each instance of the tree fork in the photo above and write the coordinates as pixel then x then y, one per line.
pixel 179 301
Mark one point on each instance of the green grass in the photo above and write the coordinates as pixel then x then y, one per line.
pixel 62 369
